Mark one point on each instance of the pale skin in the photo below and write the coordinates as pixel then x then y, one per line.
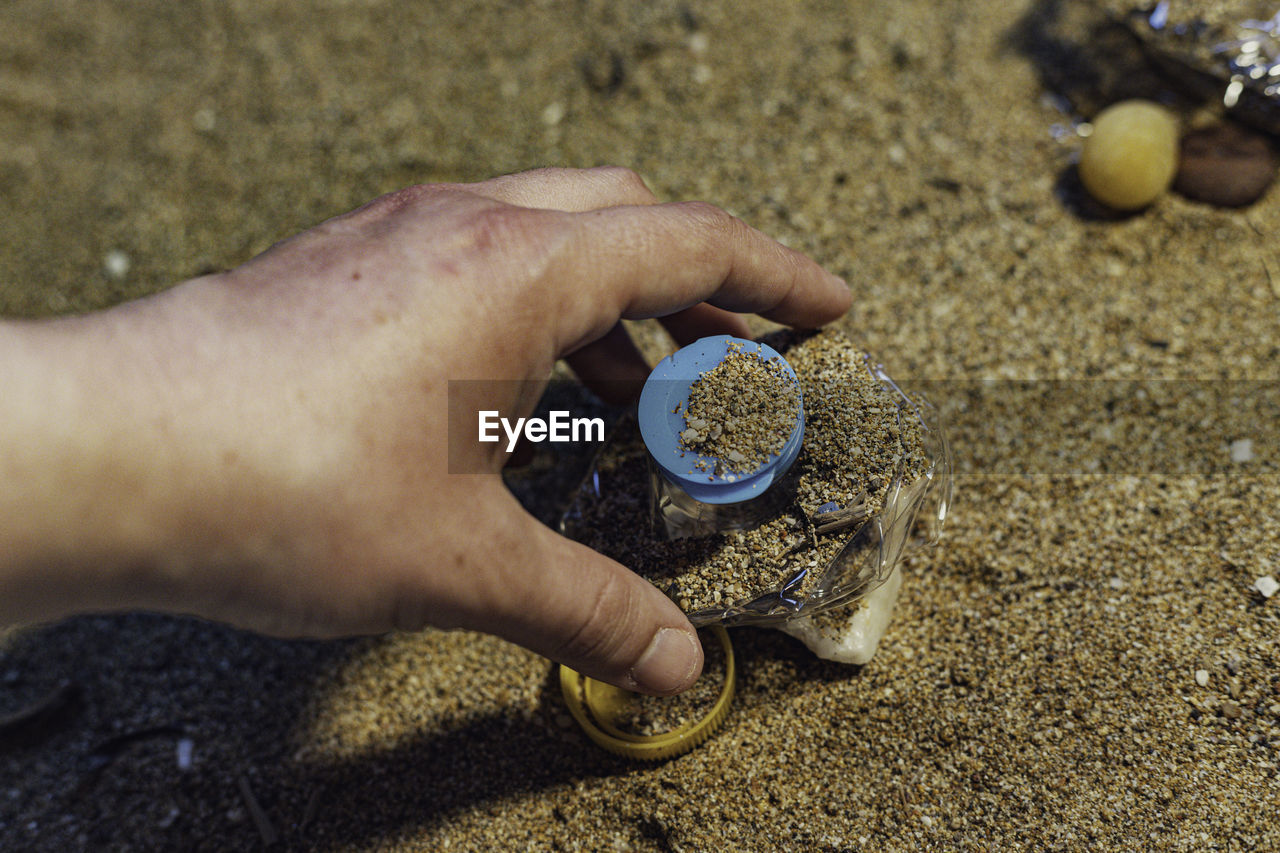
pixel 266 447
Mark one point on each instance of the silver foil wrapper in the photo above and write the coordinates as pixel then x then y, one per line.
pixel 1228 51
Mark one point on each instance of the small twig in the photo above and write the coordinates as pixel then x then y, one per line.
pixel 310 809
pixel 827 522
pixel 808 525
pixel 42 707
pixel 257 814
pixel 112 748
pixel 830 522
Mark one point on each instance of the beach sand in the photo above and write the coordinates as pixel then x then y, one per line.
pixel 1082 663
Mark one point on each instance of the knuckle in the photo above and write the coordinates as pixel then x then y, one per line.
pixel 500 226
pixel 712 233
pixel 624 179
pixel 408 196
pixel 710 218
pixel 393 202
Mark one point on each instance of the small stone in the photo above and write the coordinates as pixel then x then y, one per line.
pixel 1242 450
pixel 116 263
pixel 1202 677
pixel 1225 165
pixel 184 751
pixel 1230 710
pixel 1130 157
pixel 553 114
pixel 1267 586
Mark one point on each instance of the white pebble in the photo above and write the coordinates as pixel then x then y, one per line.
pixel 1267 585
pixel 204 120
pixel 698 43
pixel 1202 677
pixel 553 114
pixel 185 747
pixel 116 263
pixel 702 73
pixel 1242 450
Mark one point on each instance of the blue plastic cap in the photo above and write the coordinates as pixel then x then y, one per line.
pixel 662 406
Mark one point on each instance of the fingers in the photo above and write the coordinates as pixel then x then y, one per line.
pixel 570 190
pixel 703 320
pixel 611 367
pixel 655 260
pixel 550 189
pixel 579 608
pixel 616 371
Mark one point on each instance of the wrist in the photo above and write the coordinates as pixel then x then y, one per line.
pixel 71 493
pixel 106 496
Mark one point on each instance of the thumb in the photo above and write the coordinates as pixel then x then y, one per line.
pixel 582 609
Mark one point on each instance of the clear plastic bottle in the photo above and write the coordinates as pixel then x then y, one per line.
pixel 680 525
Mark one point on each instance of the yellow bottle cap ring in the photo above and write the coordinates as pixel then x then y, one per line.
pixel 597 705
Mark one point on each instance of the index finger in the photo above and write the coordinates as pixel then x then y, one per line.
pixel 650 261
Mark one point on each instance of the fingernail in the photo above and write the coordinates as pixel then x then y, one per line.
pixel 670 663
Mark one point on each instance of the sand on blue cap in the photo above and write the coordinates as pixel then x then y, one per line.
pixel 663 402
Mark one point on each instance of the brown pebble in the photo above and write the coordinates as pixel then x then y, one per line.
pixel 1225 165
pixel 1230 710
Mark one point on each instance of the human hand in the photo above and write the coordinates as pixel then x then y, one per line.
pixel 286 423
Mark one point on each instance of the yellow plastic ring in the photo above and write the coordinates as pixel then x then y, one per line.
pixel 588 702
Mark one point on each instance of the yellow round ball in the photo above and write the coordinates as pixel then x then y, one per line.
pixel 1131 156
